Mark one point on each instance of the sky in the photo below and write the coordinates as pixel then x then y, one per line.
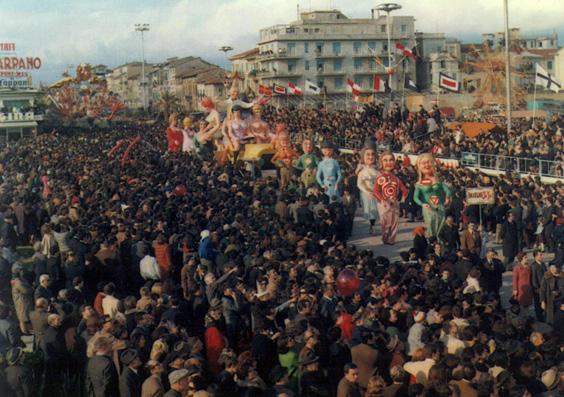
pixel 65 32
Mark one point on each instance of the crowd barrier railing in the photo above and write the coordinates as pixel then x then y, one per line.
pixel 521 165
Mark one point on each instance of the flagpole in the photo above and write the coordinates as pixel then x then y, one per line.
pixel 403 87
pixel 534 101
pixel 507 67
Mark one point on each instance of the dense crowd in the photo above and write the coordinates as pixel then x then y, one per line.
pixel 166 274
pixel 425 131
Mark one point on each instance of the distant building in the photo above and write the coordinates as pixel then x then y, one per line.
pixel 427 45
pixel 247 66
pixel 327 48
pixel 18 117
pixel 445 63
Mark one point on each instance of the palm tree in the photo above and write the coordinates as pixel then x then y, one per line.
pixel 168 104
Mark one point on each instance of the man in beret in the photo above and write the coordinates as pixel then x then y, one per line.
pixel 130 381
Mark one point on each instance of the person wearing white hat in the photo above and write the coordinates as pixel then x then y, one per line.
pixel 179 381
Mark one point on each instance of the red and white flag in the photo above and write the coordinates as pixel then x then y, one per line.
pixel 294 90
pixel 448 83
pixel 265 90
pixel 401 49
pixel 353 87
pixel 278 89
pixel 379 84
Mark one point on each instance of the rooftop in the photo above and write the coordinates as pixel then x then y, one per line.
pixel 249 53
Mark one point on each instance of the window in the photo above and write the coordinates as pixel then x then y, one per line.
pixel 357 64
pixel 306 48
pixel 404 28
pixel 443 64
pixel 306 66
pixel 337 65
pixel 320 67
pixel 357 45
pixel 291 48
pixel 316 30
pixel 372 46
pixel 383 29
pixel 319 48
pixel 540 44
pixel 358 81
pixel 336 48
pixel 372 64
pixel 338 83
pixel 549 64
pixel 291 66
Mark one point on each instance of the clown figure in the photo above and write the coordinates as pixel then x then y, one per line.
pixel 307 164
pixel 329 172
pixel 366 176
pixel 284 158
pixel 386 191
pixel 430 193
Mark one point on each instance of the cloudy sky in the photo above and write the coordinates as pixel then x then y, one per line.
pixel 65 32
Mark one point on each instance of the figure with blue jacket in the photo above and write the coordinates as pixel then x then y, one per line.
pixel 329 172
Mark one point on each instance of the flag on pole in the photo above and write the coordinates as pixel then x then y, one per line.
pixel 312 88
pixel 401 49
pixel 448 83
pixel 278 89
pixel 410 84
pixel 379 84
pixel 546 79
pixel 265 90
pixel 295 90
pixel 363 99
pixel 353 87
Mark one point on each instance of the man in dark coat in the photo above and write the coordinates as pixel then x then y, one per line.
pixel 538 269
pixel 491 273
pixel 130 382
pixel 552 294
pixel 101 374
pixel 348 386
pixel 38 318
pixel 449 235
pixel 18 376
pixel 55 355
pixel 510 238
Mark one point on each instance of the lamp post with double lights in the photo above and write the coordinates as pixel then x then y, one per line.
pixel 143 27
pixel 388 8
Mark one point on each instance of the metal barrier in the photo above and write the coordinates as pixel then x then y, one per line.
pixel 521 165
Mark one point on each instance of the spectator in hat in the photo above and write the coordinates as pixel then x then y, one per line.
pixel 491 273
pixel 179 381
pixel 18 376
pixel 130 380
pixel 312 383
pixel 552 294
pixel 10 336
pixel 510 238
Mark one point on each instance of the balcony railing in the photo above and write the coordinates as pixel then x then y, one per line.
pixel 521 165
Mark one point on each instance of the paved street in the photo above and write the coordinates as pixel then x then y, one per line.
pixel 363 240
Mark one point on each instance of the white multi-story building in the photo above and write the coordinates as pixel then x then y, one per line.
pixel 17 113
pixel 327 48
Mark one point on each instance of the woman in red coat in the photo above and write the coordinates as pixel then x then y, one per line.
pixel 214 339
pixel 522 290
pixel 163 256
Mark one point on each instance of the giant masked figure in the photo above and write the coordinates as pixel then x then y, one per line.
pixel 430 193
pixel 329 171
pixel 307 164
pixel 387 189
pixel 366 176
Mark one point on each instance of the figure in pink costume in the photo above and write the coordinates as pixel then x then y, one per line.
pixel 258 128
pixel 386 190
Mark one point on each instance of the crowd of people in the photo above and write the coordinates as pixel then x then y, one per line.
pixel 425 131
pixel 165 273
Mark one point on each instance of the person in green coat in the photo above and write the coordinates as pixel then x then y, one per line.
pixel 431 194
pixel 307 164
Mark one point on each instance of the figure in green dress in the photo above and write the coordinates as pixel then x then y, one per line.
pixel 431 194
pixel 307 164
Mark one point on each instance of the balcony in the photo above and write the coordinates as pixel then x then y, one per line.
pixel 277 55
pixel 369 54
pixel 328 54
pixel 370 71
pixel 267 74
pixel 329 72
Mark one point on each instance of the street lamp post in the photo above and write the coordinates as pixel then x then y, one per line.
pixel 143 27
pixel 507 67
pixel 225 49
pixel 388 8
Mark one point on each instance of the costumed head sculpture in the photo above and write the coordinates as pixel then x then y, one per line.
pixel 387 161
pixel 172 119
pixel 327 149
pixel 187 122
pixel 207 104
pixel 307 146
pixel 257 109
pixel 368 154
pixel 426 166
